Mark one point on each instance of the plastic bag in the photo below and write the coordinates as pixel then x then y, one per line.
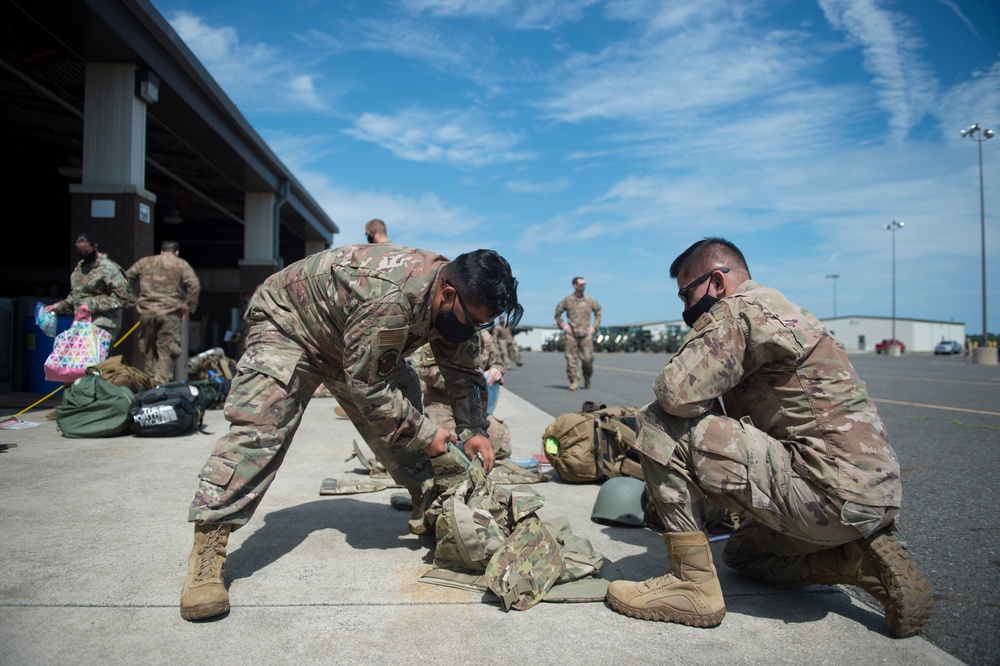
pixel 80 346
pixel 45 320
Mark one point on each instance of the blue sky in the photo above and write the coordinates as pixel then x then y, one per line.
pixel 601 138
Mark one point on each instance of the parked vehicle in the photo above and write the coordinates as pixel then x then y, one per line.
pixel 947 347
pixel 555 342
pixel 883 347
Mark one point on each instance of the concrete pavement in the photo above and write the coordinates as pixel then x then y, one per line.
pixel 94 543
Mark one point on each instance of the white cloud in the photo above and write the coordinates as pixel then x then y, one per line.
pixel 462 139
pixel 533 187
pixel 906 86
pixel 522 14
pixel 668 75
pixel 976 100
pixel 253 75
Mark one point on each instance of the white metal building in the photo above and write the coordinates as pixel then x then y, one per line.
pixel 861 333
pixel 857 333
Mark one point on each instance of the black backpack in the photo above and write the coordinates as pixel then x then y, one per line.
pixel 167 410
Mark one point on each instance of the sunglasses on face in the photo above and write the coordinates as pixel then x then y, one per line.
pixel 686 289
pixel 475 327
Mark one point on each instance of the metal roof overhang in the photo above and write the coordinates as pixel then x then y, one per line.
pixel 202 154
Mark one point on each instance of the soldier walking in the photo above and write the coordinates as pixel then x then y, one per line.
pixel 168 292
pixel 579 332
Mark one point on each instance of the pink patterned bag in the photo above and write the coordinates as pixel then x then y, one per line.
pixel 74 350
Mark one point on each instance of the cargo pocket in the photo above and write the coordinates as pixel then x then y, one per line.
pixel 218 471
pixel 723 457
pixel 654 442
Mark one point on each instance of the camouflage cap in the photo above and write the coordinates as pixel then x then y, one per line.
pixel 526 565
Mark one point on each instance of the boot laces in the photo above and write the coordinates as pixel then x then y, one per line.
pixel 208 556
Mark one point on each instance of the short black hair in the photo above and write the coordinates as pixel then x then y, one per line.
pixel 170 246
pixel 575 280
pixel 86 237
pixel 710 248
pixel 484 279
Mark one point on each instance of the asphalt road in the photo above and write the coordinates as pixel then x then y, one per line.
pixel 943 418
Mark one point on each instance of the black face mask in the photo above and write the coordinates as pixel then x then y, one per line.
pixel 88 257
pixel 451 329
pixel 370 237
pixel 704 304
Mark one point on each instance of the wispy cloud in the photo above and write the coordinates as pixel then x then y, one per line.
pixel 464 139
pixel 521 14
pixel 673 73
pixel 906 86
pixel 958 12
pixel 533 187
pixel 256 75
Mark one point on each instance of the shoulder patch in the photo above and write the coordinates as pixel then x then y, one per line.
pixel 391 337
pixel 387 362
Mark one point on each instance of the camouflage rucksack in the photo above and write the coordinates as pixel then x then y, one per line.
pixel 593 444
pixel 483 527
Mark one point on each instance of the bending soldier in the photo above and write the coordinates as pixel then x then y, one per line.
pixel 345 317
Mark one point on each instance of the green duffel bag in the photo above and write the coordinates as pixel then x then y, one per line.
pixel 94 407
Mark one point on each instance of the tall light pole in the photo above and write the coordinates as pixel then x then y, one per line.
pixel 979 135
pixel 834 276
pixel 893 227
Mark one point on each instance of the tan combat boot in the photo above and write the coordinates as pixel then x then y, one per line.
pixel 879 566
pixel 574 385
pixel 204 593
pixel 689 595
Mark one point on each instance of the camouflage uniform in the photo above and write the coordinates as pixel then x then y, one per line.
pixel 167 284
pixel 343 317
pixel 102 286
pixel 436 404
pixel 801 451
pixel 579 343
pixel 505 343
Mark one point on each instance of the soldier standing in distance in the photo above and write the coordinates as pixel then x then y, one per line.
pixel 579 332
pixel 168 292
pixel 761 412
pixel 98 283
pixel 345 318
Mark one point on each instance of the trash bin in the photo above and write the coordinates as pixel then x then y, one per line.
pixel 37 347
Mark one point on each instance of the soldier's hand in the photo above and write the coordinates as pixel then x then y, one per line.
pixel 568 329
pixel 492 376
pixel 439 445
pixel 484 446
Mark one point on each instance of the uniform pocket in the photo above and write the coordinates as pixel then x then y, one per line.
pixel 218 471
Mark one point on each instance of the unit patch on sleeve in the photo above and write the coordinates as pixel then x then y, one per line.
pixel 387 361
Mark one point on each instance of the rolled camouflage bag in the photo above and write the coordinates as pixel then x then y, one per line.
pixel 472 522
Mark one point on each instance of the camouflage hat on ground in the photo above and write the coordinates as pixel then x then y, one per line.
pixel 526 565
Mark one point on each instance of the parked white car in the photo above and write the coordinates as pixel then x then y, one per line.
pixel 947 347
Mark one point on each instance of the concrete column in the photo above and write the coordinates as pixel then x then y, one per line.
pixel 258 240
pixel 984 355
pixel 111 201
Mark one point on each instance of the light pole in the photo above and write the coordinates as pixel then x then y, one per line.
pixel 979 135
pixel 893 227
pixel 834 276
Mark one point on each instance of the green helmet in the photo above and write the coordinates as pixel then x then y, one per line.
pixel 621 501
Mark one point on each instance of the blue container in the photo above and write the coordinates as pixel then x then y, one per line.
pixel 37 347
pixel 492 397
